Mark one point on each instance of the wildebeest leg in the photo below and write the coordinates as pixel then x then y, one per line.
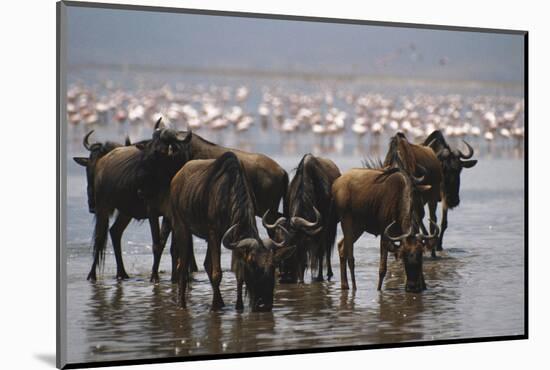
pixel 444 211
pixel 320 250
pixel 432 205
pixel 116 231
pixel 383 263
pixel 345 249
pixel 343 265
pixel 212 265
pixel 157 247
pixel 330 274
pixel 239 305
pixel 320 263
pixel 100 239
pixel 180 238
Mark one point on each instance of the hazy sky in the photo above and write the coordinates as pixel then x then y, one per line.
pixel 137 37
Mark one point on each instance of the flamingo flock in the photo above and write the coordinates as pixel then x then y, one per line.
pixel 326 114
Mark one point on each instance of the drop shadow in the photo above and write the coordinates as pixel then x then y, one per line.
pixel 47 358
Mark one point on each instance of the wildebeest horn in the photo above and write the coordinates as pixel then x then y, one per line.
pixel 310 228
pixel 431 142
pixel 279 221
pixel 244 243
pixel 470 151
pixel 299 221
pixel 157 125
pixel 85 141
pixel 419 179
pixel 431 236
pixel 226 243
pixel 285 240
pixel 396 238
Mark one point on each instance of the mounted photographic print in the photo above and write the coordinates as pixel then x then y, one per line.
pixel 234 184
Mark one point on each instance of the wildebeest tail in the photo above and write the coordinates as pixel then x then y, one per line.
pixel 100 236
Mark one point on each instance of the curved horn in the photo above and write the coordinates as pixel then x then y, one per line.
pixel 285 240
pixel 302 222
pixel 419 179
pixel 224 238
pixel 431 142
pixel 85 140
pixel 157 125
pixel 470 151
pixel 279 221
pixel 436 234
pixel 429 236
pixel 396 238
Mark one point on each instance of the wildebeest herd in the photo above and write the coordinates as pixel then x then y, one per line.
pixel 215 193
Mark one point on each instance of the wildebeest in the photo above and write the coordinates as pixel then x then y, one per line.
pixel 377 201
pixel 268 181
pixel 213 200
pixel 98 150
pixel 310 219
pixel 418 160
pixel 132 180
pixel 452 162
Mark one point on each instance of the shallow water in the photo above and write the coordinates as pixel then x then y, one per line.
pixel 475 287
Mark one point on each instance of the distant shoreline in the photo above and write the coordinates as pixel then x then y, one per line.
pixel 310 76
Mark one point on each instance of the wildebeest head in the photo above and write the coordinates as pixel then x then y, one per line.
pixel 168 143
pixel 163 155
pixel 97 150
pixel 410 249
pixel 452 161
pixel 295 227
pixel 259 257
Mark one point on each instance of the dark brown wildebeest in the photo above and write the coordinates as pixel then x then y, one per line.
pixel 452 162
pixel 376 201
pixel 310 219
pixel 98 150
pixel 124 180
pixel 213 200
pixel 418 160
pixel 268 182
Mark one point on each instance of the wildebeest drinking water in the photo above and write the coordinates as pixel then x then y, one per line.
pixel 213 200
pixel 419 160
pixel 310 219
pixel 377 201
pixel 125 182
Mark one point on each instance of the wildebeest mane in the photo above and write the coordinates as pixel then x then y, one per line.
pixel 227 186
pixel 372 163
